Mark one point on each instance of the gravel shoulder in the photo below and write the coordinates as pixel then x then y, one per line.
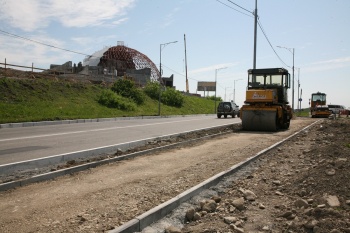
pixel 301 187
pixel 97 200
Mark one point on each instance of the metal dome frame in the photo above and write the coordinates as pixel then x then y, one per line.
pixel 128 58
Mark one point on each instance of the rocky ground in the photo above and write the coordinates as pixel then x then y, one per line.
pixel 302 186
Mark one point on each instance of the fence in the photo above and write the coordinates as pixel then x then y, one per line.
pixel 32 67
pixel 63 73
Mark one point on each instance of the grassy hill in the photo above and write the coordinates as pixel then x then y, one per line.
pixel 41 98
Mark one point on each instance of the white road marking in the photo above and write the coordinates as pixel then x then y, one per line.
pixel 93 130
pixel 95 148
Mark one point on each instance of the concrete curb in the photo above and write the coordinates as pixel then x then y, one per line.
pixel 61 122
pixel 62 172
pixel 142 221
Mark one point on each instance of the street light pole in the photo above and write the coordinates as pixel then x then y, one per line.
pixel 216 72
pixel 293 84
pixel 160 72
pixel 299 104
pixel 291 50
pixel 225 92
pixel 234 89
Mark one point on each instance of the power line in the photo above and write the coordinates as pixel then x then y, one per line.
pixel 42 43
pixel 179 73
pixel 239 6
pixel 263 31
pixel 235 9
pixel 220 86
pixel 260 25
pixel 188 77
pixel 52 46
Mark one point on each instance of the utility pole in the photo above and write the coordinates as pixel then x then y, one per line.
pixel 255 32
pixel 293 84
pixel 292 51
pixel 298 89
pixel 234 89
pixel 216 72
pixel 160 72
pixel 187 88
pixel 225 93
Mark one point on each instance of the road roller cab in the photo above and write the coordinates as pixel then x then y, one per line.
pixel 266 106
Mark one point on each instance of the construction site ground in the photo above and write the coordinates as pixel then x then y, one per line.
pixel 301 186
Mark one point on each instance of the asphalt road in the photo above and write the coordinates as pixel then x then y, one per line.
pixel 26 143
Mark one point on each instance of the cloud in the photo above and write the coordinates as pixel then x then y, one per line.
pixel 120 21
pixel 169 18
pixel 26 15
pixel 88 41
pixel 26 52
pixel 332 64
pixel 334 61
pixel 30 15
pixel 211 68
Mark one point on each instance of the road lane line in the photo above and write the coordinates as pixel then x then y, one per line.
pixel 86 131
pixel 108 146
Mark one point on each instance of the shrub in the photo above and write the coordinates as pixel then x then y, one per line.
pixel 137 96
pixel 172 97
pixel 218 98
pixel 126 88
pixel 152 90
pixel 110 99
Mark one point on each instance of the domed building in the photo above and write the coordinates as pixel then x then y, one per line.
pixel 121 60
pixel 94 59
pixel 109 63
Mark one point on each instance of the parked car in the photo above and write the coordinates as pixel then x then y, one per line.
pixel 227 108
pixel 335 108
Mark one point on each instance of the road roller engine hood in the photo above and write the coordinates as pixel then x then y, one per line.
pixel 263 96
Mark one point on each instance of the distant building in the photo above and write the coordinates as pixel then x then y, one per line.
pixel 168 82
pixel 140 77
pixel 94 59
pixel 66 67
pixel 110 63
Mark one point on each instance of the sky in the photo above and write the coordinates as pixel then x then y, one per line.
pixel 219 39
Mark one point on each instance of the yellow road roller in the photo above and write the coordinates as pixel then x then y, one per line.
pixel 319 107
pixel 266 106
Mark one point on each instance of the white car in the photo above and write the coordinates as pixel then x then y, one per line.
pixel 335 108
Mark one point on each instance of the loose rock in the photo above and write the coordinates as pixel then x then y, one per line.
pixel 172 229
pixel 209 206
pixel 301 203
pixel 333 201
pixel 238 203
pixel 190 214
pixel 230 220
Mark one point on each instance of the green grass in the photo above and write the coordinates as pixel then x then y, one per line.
pixel 303 113
pixel 25 100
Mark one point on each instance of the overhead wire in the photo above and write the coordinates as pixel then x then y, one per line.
pixel 179 73
pixel 235 9
pixel 259 23
pixel 42 43
pixel 263 31
pixel 72 51
pixel 239 6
